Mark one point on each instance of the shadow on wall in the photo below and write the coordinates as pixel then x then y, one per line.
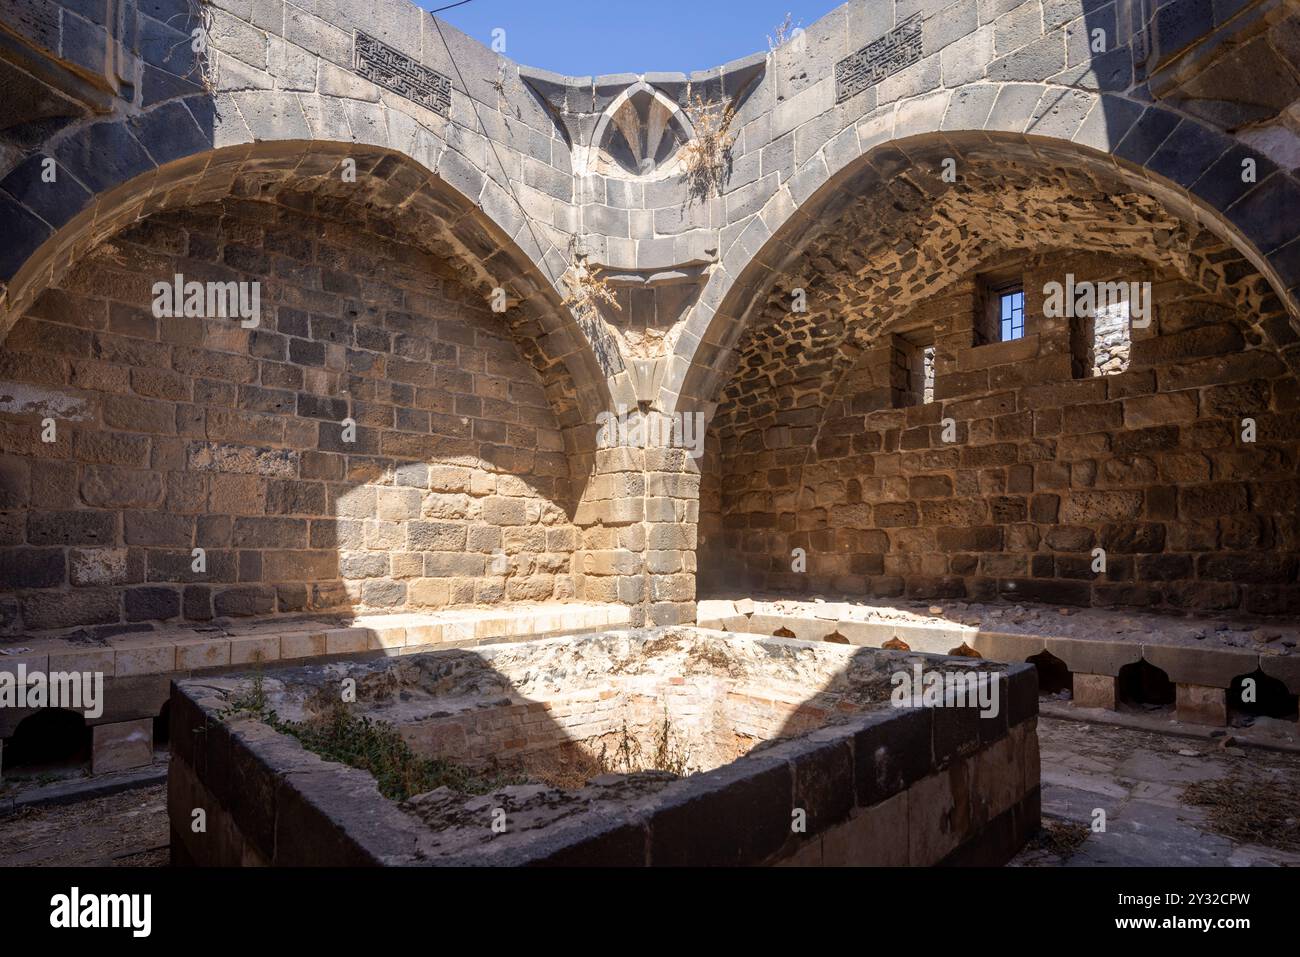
pixel 406 423
pixel 378 440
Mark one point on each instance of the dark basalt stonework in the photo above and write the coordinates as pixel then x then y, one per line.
pixel 393 70
pixel 897 49
pixel 971 783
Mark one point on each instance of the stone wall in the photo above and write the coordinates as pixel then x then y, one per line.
pixel 509 166
pixel 180 433
pixel 970 778
pixel 1047 461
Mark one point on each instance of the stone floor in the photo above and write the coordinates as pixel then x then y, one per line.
pixel 1137 776
pixel 127 829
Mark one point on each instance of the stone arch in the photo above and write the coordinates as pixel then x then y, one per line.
pixel 113 172
pixel 49 737
pixel 1191 169
pixel 798 381
pixel 427 486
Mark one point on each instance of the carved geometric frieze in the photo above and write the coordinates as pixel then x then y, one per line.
pixel 897 49
pixel 394 70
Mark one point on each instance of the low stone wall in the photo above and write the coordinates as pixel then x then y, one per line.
pixel 1201 657
pixel 874 785
pixel 139 667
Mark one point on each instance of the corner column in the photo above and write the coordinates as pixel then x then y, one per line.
pixel 639 526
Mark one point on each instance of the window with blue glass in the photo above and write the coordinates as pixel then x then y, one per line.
pixel 1011 314
pixel 1001 307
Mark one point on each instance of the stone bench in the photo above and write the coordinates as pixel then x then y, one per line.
pixel 1202 670
pixel 138 668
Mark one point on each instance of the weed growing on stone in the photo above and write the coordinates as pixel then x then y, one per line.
pixel 1061 838
pixel 785 31
pixel 196 41
pixel 377 747
pixel 627 753
pixel 251 702
pixel 707 156
pixel 587 290
pixel 573 767
pixel 671 753
pixel 567 769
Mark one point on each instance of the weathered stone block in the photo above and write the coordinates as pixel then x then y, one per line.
pixel 1197 704
pixel 121 746
pixel 1095 691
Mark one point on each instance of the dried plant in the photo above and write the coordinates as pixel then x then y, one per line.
pixel 708 154
pixel 202 73
pixel 587 290
pixel 1249 811
pixel 671 753
pixel 785 32
pixel 1061 838
pixel 503 99
pixel 627 756
pixel 567 769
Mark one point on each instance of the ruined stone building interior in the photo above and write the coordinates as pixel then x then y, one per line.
pixel 881 449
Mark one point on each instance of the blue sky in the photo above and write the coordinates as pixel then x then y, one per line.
pixel 617 36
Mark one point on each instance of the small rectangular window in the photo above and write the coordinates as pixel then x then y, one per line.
pixel 1001 307
pixel 1111 338
pixel 912 372
pixel 1011 314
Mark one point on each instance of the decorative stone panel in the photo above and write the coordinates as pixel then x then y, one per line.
pixel 897 49
pixel 394 70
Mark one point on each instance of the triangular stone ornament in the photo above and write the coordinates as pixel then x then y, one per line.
pixel 647 376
